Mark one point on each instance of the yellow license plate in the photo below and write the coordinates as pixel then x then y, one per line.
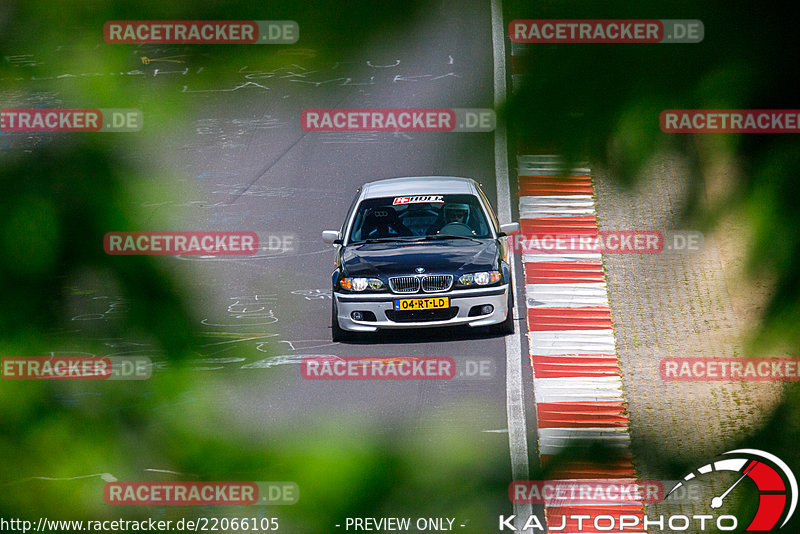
pixel 421 304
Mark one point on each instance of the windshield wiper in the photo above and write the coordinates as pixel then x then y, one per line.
pixel 446 236
pixel 388 239
pixel 435 237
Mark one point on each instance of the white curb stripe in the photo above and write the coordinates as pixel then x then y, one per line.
pixel 583 258
pixel 554 212
pixel 549 343
pixel 583 295
pixel 555 207
pixel 579 389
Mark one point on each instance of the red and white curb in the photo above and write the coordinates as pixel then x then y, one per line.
pixel 576 376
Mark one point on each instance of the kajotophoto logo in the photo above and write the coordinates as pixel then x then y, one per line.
pixel 725 492
pixel 775 482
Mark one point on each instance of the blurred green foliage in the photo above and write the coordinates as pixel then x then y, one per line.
pixel 60 442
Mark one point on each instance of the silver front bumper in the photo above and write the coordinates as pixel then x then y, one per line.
pixel 463 299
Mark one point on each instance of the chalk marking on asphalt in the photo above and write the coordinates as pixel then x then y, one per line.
pixel 515 406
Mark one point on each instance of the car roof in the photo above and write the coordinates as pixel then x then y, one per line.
pixel 419 185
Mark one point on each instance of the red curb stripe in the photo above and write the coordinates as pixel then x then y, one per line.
pixel 608 422
pixel 555 185
pixel 620 468
pixel 575 366
pixel 548 223
pixel 556 181
pixel 544 325
pixel 549 178
pixel 580 415
pixel 542 319
pixel 566 226
pixel 566 371
pixel 551 421
pixel 550 272
pixel 556 420
pixel 606 408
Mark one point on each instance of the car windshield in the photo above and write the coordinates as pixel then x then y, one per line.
pixel 420 216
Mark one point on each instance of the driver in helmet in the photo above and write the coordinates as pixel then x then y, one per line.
pixel 456 213
pixel 452 213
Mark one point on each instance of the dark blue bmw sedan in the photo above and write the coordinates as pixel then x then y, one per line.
pixel 421 252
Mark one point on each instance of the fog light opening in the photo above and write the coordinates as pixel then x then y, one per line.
pixel 487 309
pixel 363 315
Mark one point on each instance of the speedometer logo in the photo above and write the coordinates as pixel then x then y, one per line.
pixel 776 484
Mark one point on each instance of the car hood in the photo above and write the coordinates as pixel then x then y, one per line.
pixel 436 257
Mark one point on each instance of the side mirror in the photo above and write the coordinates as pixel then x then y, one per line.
pixel 332 237
pixel 509 228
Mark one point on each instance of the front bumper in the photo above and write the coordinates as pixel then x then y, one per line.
pixel 462 299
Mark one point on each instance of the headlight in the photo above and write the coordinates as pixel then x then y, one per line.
pixel 466 279
pixel 483 278
pixel 361 284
